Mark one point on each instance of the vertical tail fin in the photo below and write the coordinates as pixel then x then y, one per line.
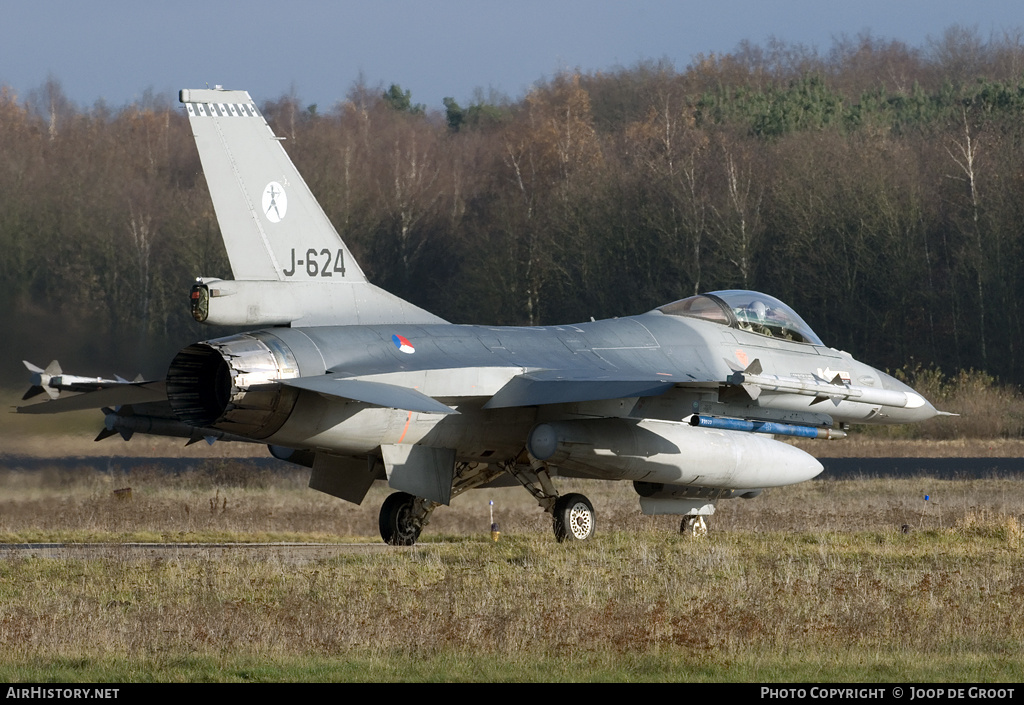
pixel 283 249
pixel 268 217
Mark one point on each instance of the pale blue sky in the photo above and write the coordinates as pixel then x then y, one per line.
pixel 117 49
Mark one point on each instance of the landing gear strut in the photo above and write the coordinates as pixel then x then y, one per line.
pixel 572 514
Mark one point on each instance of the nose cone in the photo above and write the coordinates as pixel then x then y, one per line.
pixel 917 407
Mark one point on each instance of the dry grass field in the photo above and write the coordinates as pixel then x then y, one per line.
pixel 815 582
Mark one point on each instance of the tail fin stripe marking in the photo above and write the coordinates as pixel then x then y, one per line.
pixel 221 110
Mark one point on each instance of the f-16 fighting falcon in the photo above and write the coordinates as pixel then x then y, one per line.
pixel 684 401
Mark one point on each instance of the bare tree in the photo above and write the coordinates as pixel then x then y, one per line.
pixel 964 153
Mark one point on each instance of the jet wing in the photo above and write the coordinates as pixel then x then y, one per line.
pixel 107 394
pixel 566 386
pixel 375 393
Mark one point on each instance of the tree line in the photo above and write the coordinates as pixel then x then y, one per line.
pixel 875 187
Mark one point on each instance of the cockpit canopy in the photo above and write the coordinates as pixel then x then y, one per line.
pixel 746 310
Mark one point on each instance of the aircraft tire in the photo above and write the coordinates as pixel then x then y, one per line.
pixel 396 526
pixel 693 526
pixel 574 518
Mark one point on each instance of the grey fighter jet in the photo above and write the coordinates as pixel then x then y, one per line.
pixel 684 401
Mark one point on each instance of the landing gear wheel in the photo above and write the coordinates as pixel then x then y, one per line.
pixel 693 526
pixel 396 520
pixel 574 518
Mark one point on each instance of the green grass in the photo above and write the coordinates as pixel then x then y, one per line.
pixel 850 666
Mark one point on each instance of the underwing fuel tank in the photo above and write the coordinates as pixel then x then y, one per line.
pixel 670 452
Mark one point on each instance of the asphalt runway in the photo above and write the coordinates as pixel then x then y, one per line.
pixel 941 468
pixel 288 553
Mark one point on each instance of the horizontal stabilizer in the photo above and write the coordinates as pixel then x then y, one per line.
pixel 117 394
pixel 562 386
pixel 376 393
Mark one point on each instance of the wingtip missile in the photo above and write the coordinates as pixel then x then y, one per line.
pixel 52 369
pixel 41 379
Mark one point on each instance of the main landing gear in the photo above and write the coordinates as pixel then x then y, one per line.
pixel 403 516
pixel 572 514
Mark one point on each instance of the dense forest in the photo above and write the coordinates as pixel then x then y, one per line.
pixel 875 187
